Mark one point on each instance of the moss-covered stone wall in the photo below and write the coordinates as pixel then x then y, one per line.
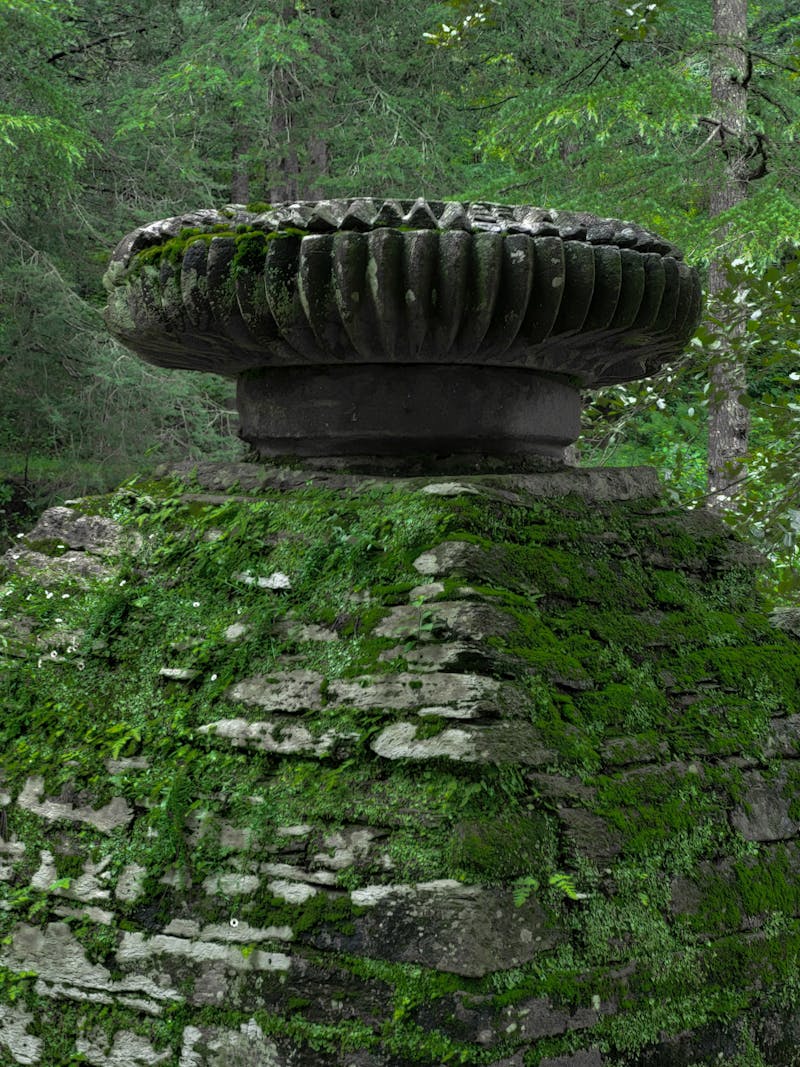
pixel 305 769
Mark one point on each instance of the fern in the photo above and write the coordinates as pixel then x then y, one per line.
pixel 566 885
pixel 523 887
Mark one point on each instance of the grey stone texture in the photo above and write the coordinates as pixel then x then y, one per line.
pixel 483 319
pixel 22 1046
pixel 507 293
pixel 71 528
pixel 48 570
pixel 444 410
pixel 458 619
pixel 116 812
pixel 443 925
pixel 765 812
pixel 547 479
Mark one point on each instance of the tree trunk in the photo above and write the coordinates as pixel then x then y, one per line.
pixel 240 178
pixel 728 421
pixel 284 181
pixel 291 178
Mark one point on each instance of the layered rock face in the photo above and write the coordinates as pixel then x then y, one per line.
pixel 406 329
pixel 308 769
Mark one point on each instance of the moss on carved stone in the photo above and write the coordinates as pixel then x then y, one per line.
pixel 251 245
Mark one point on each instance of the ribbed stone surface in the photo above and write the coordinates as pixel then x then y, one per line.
pixel 337 281
pixel 421 331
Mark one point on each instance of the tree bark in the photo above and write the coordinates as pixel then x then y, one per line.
pixel 282 179
pixel 240 177
pixel 293 178
pixel 729 421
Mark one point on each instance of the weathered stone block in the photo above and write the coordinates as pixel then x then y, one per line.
pixel 116 813
pixel 764 814
pixel 503 743
pixel 444 925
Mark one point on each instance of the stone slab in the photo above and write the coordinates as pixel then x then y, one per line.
pixel 57 957
pixel 284 739
pixel 553 479
pixel 764 814
pixel 500 743
pixel 15 1023
pixel 459 618
pixel 301 690
pixel 74 529
pixel 444 925
pixel 112 815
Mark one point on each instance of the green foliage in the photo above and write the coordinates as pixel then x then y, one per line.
pixel 44 138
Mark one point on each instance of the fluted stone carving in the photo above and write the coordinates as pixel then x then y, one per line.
pixel 295 299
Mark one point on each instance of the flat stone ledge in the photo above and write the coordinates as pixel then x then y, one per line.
pixel 294 691
pixel 60 961
pixel 281 738
pixel 502 743
pixel 542 479
pixel 126 1049
pixel 14 1036
pixel 92 533
pixel 78 567
pixel 442 924
pixel 116 813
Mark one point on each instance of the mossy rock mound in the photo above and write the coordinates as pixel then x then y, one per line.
pixel 317 769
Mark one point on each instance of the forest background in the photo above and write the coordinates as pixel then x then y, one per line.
pixel 681 115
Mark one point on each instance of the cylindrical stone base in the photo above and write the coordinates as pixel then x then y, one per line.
pixel 407 410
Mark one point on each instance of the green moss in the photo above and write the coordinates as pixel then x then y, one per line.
pixel 601 646
pixel 628 705
pixel 503 848
pixel 336 912
pixel 769 885
pixel 250 247
pixel 673 589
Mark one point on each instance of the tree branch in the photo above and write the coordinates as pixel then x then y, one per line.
pixel 485 107
pixel 591 63
pixel 93 44
pixel 774 63
pixel 775 103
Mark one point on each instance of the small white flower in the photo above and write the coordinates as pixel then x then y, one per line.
pixel 661 403
pixel 61 546
pixel 20 535
pixel 213 677
pixel 65 596
pixel 48 594
pixel 54 654
pixel 123 582
pixel 70 649
pixel 234 923
pixel 195 603
pixel 58 620
pixel 80 664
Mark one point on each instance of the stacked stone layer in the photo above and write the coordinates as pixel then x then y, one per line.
pixel 388 773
